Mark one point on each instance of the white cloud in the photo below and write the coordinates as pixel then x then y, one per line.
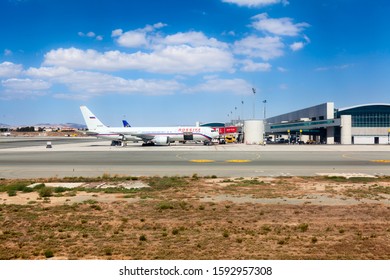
pixel 194 39
pixel 297 46
pixel 144 38
pixel 307 39
pixel 25 84
pixel 172 59
pixel 235 86
pixel 334 67
pixel 231 33
pixel 116 32
pixel 264 47
pixel 14 87
pixel 9 69
pixel 84 84
pixel 153 27
pixel 282 69
pixel 90 34
pixel 277 26
pixel 256 3
pixel 136 38
pixel 81 96
pixel 48 72
pixel 189 60
pixel 7 52
pixel 91 83
pixel 77 73
pixel 159 25
pixel 133 39
pixel 250 66
pixel 23 88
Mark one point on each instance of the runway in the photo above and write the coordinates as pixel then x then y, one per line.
pixel 88 157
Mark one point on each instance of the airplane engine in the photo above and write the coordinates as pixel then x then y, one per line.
pixel 121 137
pixel 161 140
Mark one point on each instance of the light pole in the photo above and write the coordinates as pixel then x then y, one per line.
pixel 388 137
pixel 254 102
pixel 265 106
pixel 242 109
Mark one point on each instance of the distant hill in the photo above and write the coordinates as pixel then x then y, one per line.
pixel 74 125
pixel 4 125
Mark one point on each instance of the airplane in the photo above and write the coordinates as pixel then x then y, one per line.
pixel 149 135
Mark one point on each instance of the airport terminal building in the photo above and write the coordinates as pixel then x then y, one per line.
pixel 361 124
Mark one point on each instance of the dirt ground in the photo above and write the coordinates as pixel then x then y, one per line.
pixel 201 218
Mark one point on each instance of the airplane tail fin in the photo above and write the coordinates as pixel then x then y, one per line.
pixel 92 122
pixel 125 123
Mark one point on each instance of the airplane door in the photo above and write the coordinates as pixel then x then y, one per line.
pixel 188 136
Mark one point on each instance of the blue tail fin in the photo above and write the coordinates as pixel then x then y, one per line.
pixel 126 124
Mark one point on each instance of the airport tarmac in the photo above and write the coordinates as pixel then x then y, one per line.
pixel 29 158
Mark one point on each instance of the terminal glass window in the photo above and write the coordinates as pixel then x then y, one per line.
pixel 369 116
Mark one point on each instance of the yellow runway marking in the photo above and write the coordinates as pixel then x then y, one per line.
pixel 202 160
pixel 381 160
pixel 238 160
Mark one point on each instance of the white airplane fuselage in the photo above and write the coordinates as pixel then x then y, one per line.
pixel 174 133
pixel 155 135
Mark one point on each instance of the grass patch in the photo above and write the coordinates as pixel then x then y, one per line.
pixel 108 251
pixel 13 187
pixel 341 179
pixel 303 227
pixel 49 254
pixel 371 192
pixel 60 189
pixel 143 238
pixel 11 192
pixel 45 192
pixel 248 183
pixel 105 177
pixel 167 182
pixel 379 189
pixel 265 229
pixel 90 201
pixel 165 205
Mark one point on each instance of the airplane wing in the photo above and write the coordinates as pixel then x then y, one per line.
pixel 159 138
pixel 144 136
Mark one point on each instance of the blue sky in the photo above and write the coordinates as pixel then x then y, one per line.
pixel 176 62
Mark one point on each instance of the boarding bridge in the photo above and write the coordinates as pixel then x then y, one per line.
pixel 344 123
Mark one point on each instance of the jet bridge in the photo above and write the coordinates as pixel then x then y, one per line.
pixel 302 125
pixel 325 128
